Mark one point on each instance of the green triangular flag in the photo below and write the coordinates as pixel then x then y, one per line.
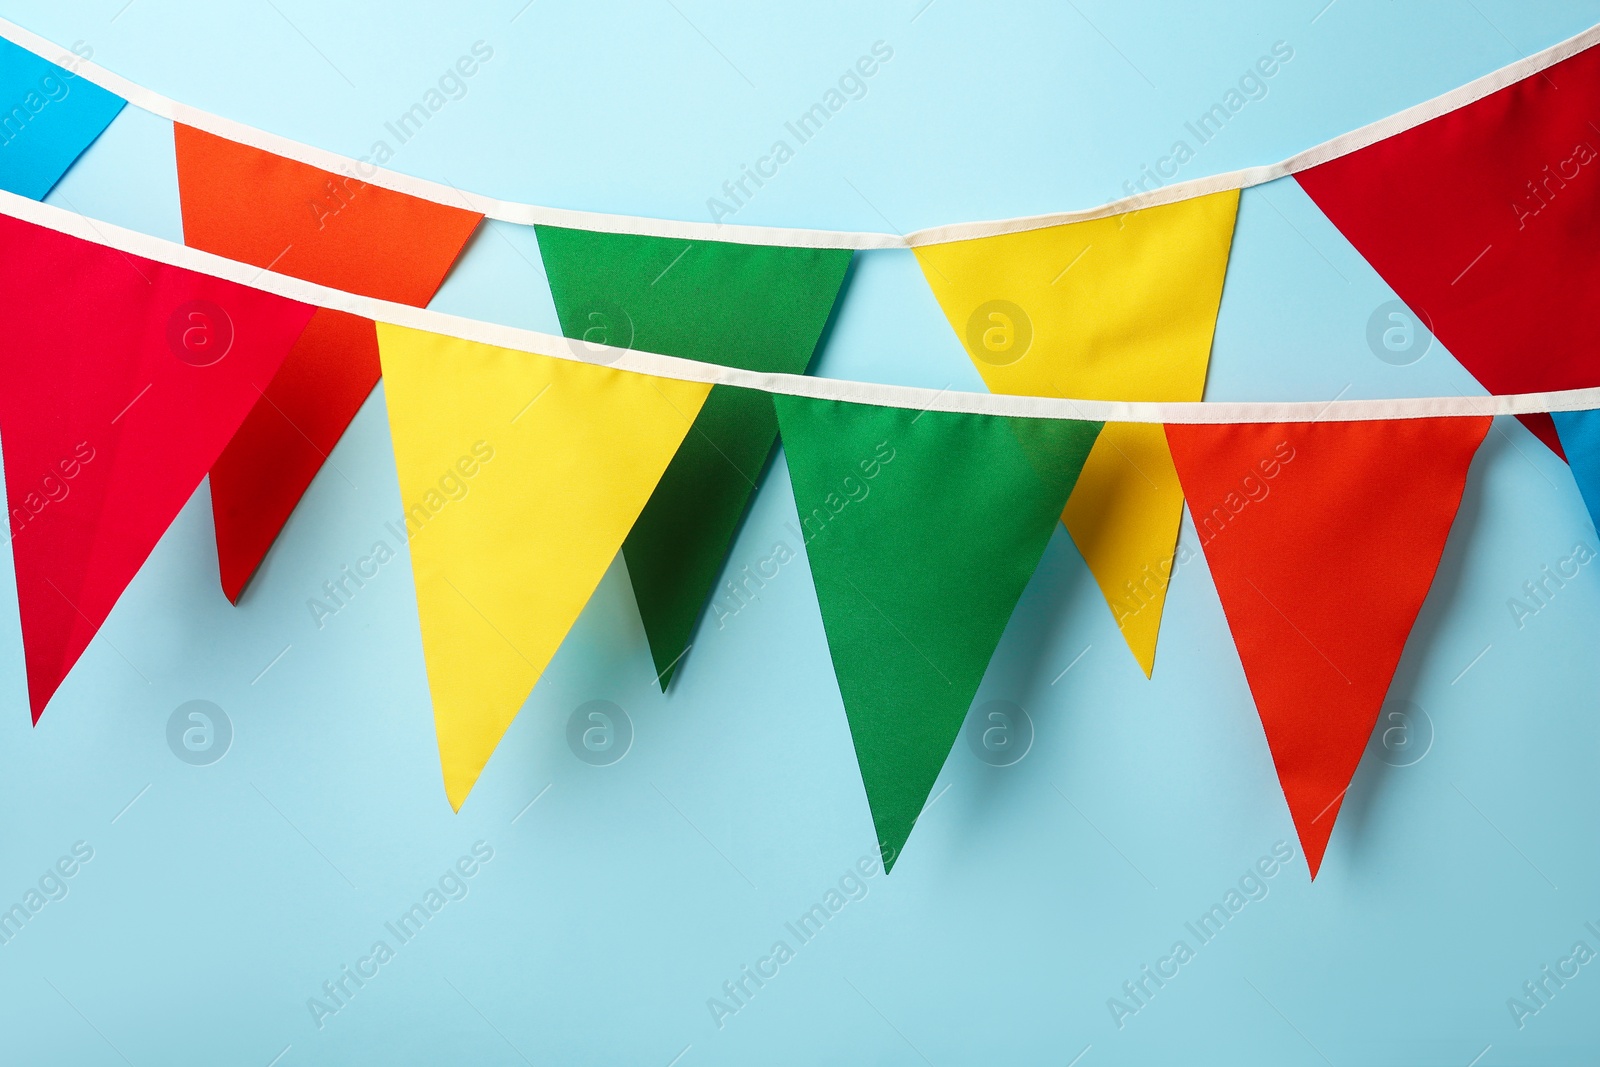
pixel 922 528
pixel 749 306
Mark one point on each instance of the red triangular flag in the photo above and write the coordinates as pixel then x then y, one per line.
pixel 1322 539
pixel 258 480
pixel 1485 221
pixel 121 380
pixel 333 229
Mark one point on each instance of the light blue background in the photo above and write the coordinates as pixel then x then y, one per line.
pixel 615 906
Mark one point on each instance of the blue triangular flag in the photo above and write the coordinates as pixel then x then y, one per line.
pixel 1580 439
pixel 48 116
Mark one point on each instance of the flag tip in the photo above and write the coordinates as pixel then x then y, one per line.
pixel 456 793
pixel 1313 862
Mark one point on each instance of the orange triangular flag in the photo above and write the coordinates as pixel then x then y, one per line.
pixel 333 229
pixel 1323 539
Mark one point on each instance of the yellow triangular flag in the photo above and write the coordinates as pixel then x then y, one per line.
pixel 521 475
pixel 1119 308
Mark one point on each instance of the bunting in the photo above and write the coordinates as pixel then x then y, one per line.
pixel 1323 539
pixel 520 475
pixel 122 379
pixel 1500 259
pixel 755 307
pixel 1119 308
pixel 48 117
pixel 922 529
pixel 332 229
pixel 523 474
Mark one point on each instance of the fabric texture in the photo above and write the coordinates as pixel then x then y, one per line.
pixel 260 477
pixel 520 475
pixel 327 228
pixel 120 383
pixel 1323 540
pixel 748 306
pixel 53 116
pixel 1120 308
pixel 1485 221
pixel 922 529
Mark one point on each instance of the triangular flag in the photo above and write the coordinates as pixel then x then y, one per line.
pixel 260 477
pixel 1580 438
pixel 520 474
pixel 1323 539
pixel 53 116
pixel 121 381
pixel 755 307
pixel 332 229
pixel 922 529
pixel 1485 221
pixel 1119 308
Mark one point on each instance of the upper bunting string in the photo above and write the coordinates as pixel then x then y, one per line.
pixel 533 214
pixel 689 370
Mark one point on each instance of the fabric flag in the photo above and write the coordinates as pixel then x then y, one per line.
pixel 520 474
pixel 1323 539
pixel 922 530
pixel 331 229
pixel 1120 308
pixel 750 306
pixel 1580 438
pixel 120 383
pixel 1485 221
pixel 50 116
